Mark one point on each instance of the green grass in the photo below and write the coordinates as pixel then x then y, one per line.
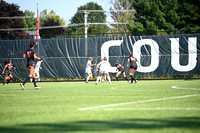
pixel 55 107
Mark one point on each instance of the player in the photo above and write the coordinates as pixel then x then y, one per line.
pixel 88 69
pixel 104 67
pixel 133 66
pixel 7 72
pixel 31 55
pixel 120 69
pixel 37 69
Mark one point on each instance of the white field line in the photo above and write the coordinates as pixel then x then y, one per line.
pixel 175 87
pixel 156 108
pixel 135 102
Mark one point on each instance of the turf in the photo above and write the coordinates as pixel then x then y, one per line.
pixel 56 107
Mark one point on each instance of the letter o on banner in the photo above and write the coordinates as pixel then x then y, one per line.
pixel 154 54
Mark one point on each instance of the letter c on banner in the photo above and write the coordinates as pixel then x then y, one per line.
pixel 105 49
pixel 154 54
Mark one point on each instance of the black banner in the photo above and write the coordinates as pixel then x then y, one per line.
pixel 67 58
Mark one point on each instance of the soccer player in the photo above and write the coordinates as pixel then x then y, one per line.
pixel 7 71
pixel 120 69
pixel 31 55
pixel 37 69
pixel 88 69
pixel 104 67
pixel 133 66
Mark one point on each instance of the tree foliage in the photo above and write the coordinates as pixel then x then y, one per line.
pixel 31 21
pixel 10 10
pixel 93 17
pixel 51 19
pixel 161 15
pixel 167 15
pixel 121 17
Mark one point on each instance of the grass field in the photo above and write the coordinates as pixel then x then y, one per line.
pixel 149 106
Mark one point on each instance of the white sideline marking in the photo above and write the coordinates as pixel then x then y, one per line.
pixel 156 108
pixel 175 87
pixel 144 101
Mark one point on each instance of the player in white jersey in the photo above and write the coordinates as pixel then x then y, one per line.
pixel 37 69
pixel 104 68
pixel 88 69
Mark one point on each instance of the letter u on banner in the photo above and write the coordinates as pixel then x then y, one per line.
pixel 175 55
pixel 154 54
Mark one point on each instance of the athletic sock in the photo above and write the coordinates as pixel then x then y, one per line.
pixel 98 79
pixel 132 78
pixel 8 81
pixel 126 79
pixel 88 77
pixel 26 80
pixel 117 79
pixel 34 82
pixel 109 79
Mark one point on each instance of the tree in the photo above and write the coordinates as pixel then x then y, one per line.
pixel 10 10
pixel 121 17
pixel 51 19
pixel 30 22
pixel 93 17
pixel 166 15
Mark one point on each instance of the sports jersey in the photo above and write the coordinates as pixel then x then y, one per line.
pixel 8 70
pixel 104 66
pixel 30 57
pixel 88 67
pixel 37 66
pixel 119 67
pixel 133 63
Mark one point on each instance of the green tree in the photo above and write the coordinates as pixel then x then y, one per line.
pixel 51 19
pixel 31 21
pixel 166 15
pixel 121 17
pixel 9 10
pixel 93 17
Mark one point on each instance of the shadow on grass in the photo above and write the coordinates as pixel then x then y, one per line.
pixel 94 125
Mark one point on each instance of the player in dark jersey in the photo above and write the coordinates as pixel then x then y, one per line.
pixel 31 55
pixel 120 69
pixel 133 66
pixel 7 71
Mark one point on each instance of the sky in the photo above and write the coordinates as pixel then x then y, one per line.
pixel 64 8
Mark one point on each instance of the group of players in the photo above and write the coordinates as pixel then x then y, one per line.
pixel 104 67
pixel 30 55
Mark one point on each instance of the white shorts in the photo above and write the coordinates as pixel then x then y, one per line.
pixel 104 71
pixel 36 71
pixel 88 71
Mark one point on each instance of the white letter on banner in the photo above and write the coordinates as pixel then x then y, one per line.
pixel 105 49
pixel 192 48
pixel 154 54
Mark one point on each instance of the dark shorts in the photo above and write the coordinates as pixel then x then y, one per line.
pixel 121 70
pixel 30 64
pixel 7 74
pixel 133 67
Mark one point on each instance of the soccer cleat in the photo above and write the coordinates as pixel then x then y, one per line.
pixel 37 88
pixel 95 83
pixel 22 86
pixel 86 81
pixel 135 81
